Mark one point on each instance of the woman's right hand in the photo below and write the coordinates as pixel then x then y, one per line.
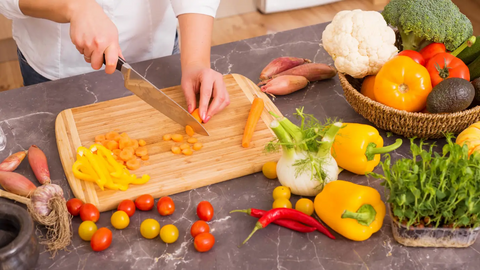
pixel 94 35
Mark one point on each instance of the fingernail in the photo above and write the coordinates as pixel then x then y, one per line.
pixel 204 116
pixel 190 108
pixel 208 118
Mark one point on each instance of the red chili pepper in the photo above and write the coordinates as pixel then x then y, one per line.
pixel 289 224
pixel 287 213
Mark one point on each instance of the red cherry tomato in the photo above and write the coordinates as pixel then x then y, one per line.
pixel 199 227
pixel 90 212
pixel 73 206
pixel 431 50
pixel 144 202
pixel 127 206
pixel 101 239
pixel 205 211
pixel 204 242
pixel 165 206
pixel 445 65
pixel 416 56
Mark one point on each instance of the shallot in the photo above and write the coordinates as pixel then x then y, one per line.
pixel 312 71
pixel 39 164
pixel 284 85
pixel 16 183
pixel 281 64
pixel 12 162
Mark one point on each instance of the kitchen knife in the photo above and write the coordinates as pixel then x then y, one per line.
pixel 153 96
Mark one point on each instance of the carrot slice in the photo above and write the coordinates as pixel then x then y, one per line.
pixel 177 137
pixel 112 145
pixel 197 146
pixel 130 149
pixel 176 150
pixel 111 135
pixel 121 162
pixel 196 114
pixel 100 138
pixel 124 135
pixel 133 164
pixel 187 151
pixel 123 142
pixel 253 116
pixel 192 140
pixel 134 143
pixel 104 143
pixel 116 152
pixel 189 131
pixel 167 137
pixel 184 146
pixel 117 138
pixel 141 151
pixel 146 157
pixel 142 142
pixel 126 155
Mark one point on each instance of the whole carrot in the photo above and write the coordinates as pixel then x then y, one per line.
pixel 16 183
pixel 292 214
pixel 284 85
pixel 289 224
pixel 39 164
pixel 253 116
pixel 281 64
pixel 12 162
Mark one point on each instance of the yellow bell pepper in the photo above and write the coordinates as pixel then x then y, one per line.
pixel 82 151
pixel 357 148
pixel 352 210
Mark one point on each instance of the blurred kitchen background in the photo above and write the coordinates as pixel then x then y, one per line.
pixel 240 19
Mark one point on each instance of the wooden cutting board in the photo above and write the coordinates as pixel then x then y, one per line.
pixel 221 158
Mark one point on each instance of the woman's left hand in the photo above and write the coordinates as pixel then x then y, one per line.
pixel 201 79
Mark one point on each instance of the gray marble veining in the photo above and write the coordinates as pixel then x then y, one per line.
pixel 27 116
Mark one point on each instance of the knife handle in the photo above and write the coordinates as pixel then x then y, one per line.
pixel 120 63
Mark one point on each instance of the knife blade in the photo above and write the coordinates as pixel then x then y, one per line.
pixel 153 96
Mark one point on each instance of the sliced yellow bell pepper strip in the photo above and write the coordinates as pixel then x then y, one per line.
pixel 108 156
pixel 140 181
pixel 357 148
pixel 77 171
pixel 82 151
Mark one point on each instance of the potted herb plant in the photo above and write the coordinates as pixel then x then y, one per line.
pixel 434 198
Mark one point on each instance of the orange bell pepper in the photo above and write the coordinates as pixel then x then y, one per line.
pixel 368 87
pixel 403 84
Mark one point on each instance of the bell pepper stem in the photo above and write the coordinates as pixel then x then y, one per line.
pixel 372 149
pixel 246 211
pixel 258 226
pixel 469 42
pixel 365 215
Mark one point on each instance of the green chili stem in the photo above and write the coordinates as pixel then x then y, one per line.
pixel 372 150
pixel 258 226
pixel 246 211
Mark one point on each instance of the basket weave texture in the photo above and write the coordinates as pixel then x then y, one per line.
pixel 407 124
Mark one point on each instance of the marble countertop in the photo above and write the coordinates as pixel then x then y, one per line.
pixel 27 116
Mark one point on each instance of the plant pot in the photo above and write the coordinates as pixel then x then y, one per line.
pixel 433 237
pixel 18 244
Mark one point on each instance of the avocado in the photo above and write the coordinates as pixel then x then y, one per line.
pixel 451 95
pixel 476 85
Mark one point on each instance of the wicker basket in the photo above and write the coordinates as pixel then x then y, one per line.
pixel 407 124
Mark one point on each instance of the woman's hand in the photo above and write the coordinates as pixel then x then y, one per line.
pixel 198 78
pixel 94 35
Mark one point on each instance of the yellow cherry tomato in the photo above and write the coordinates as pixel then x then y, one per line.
pixel 120 220
pixel 150 228
pixel 282 203
pixel 305 206
pixel 86 230
pixel 281 192
pixel 169 233
pixel 269 169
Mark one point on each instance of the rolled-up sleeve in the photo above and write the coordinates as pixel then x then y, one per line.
pixel 207 7
pixel 11 9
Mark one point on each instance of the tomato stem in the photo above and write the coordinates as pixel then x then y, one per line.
pixel 444 72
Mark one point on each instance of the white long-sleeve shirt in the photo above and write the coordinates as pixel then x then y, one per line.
pixel 146 30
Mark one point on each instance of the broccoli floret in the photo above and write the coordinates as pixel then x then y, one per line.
pixel 421 22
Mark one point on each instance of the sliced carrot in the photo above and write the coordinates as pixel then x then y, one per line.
pixel 184 146
pixel 196 114
pixel 111 135
pixel 187 151
pixel 133 164
pixel 134 143
pixel 100 138
pixel 192 140
pixel 146 157
pixel 197 146
pixel 104 143
pixel 142 142
pixel 123 142
pixel 177 137
pixel 117 138
pixel 116 152
pixel 126 155
pixel 253 116
pixel 112 145
pixel 167 137
pixel 141 151
pixel 189 131
pixel 121 162
pixel 129 149
pixel 124 135
pixel 176 150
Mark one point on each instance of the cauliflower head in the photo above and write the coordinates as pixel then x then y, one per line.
pixel 360 42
